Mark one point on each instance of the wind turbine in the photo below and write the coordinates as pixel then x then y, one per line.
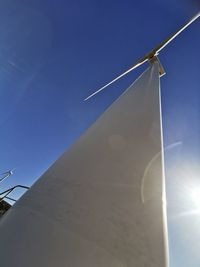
pixel 152 56
pixel 6 175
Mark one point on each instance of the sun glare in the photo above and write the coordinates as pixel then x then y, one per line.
pixel 195 196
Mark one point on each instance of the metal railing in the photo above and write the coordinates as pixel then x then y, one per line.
pixel 5 194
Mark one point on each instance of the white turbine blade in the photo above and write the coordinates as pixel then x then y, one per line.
pixel 117 78
pixel 150 55
pixel 6 175
pixel 168 40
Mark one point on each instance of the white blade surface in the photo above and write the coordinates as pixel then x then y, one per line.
pixel 100 204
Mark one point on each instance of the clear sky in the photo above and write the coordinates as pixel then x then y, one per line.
pixel 54 53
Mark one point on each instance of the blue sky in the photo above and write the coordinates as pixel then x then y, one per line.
pixel 55 53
